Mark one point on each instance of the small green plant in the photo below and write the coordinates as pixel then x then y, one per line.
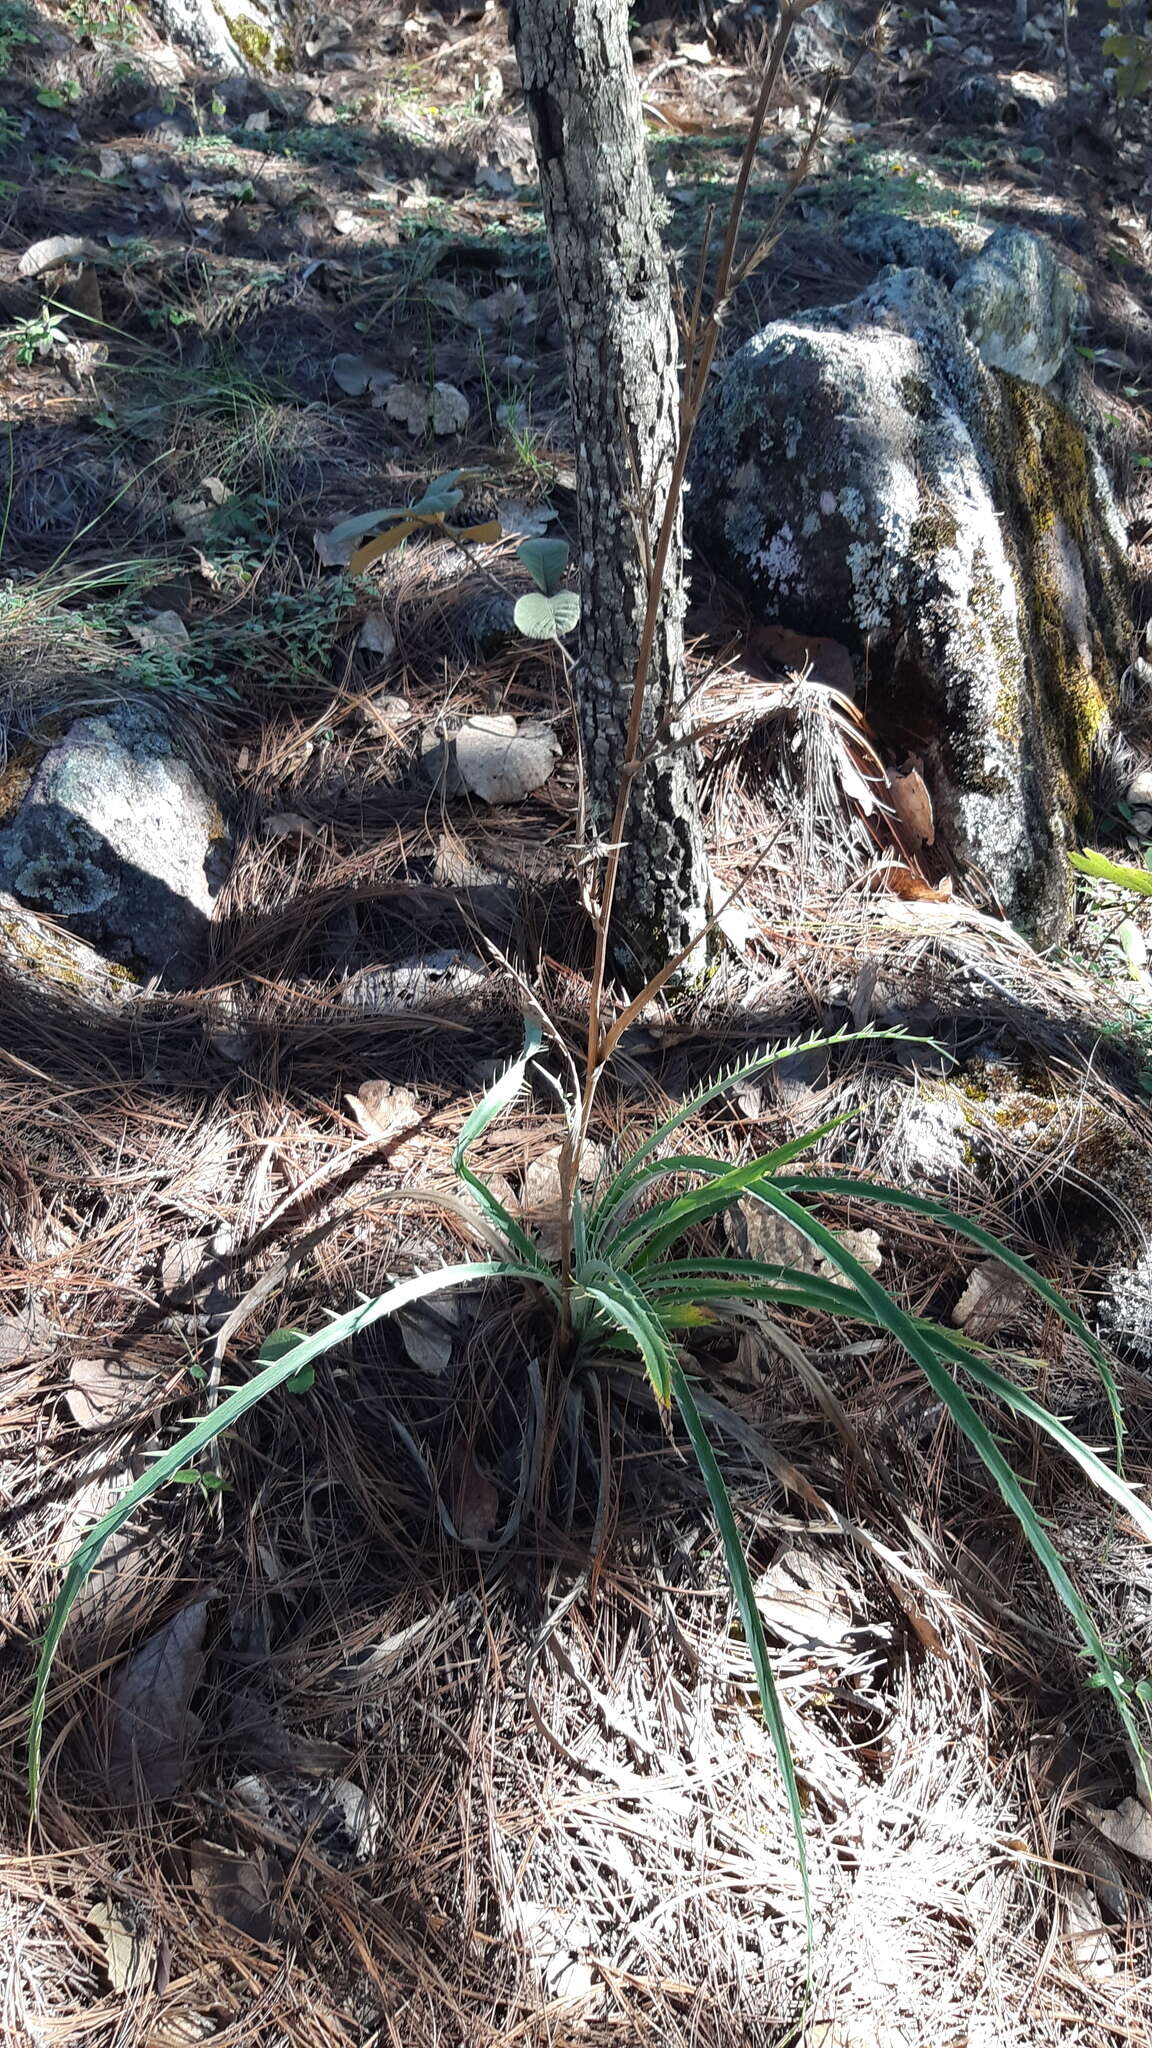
pixel 547 612
pixel 16 31
pixel 630 1281
pixel 36 336
pixel 1128 49
pixel 57 96
pixel 634 1282
pixel 91 20
pixel 430 512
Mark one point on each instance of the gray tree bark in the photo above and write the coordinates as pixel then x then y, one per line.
pixel 615 295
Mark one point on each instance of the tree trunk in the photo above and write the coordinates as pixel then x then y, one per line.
pixel 615 294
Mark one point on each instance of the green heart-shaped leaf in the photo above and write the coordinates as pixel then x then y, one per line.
pixel 546 618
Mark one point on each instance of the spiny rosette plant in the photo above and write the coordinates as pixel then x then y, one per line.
pixel 629 1281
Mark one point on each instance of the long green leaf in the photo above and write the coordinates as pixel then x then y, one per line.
pixel 1101 869
pixel 923 1205
pixel 745 1595
pixel 973 1359
pixel 206 1431
pixel 494 1103
pixel 500 1096
pixel 744 1070
pixel 684 1283
pixel 657 1230
pixel 507 1226
pixel 922 1347
pixel 625 1307
pixel 608 1215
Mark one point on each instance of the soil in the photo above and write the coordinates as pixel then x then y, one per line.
pixel 457 1741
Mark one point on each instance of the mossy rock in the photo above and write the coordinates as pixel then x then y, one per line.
pixel 861 472
pixel 117 838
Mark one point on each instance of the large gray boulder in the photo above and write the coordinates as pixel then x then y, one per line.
pixel 118 840
pixel 862 472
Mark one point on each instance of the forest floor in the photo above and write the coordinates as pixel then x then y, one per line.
pixel 449 1759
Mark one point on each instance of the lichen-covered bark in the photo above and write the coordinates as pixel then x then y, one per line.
pixel 615 298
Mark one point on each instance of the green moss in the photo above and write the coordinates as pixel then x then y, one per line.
pixel 1046 453
pixel 916 397
pixel 15 776
pixel 255 43
pixel 933 533
pixel 43 952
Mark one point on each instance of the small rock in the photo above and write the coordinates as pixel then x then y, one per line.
pixel 44 953
pixel 376 637
pixel 861 468
pixel 502 761
pixel 419 983
pixel 118 839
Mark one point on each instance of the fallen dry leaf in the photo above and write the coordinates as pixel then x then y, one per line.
pixel 163 629
pixel 911 888
pixel 429 1331
pixel 862 1245
pixel 502 762
pixel 25 1336
pixel 530 521
pixel 334 553
pixel 540 1200
pixel 475 1500
pixel 992 1297
pixel 153 1725
pixel 441 410
pixel 123 1939
pixel 386 712
pixel 181 1263
pixel 181 2027
pixel 909 798
pixel 1127 1826
pixel 238 1889
pixel 356 374
pixel 448 296
pixel 1088 1939
pixel 376 636
pixel 801 1598
pixel 102 1390
pixel 383 1111
pixel 121 1559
